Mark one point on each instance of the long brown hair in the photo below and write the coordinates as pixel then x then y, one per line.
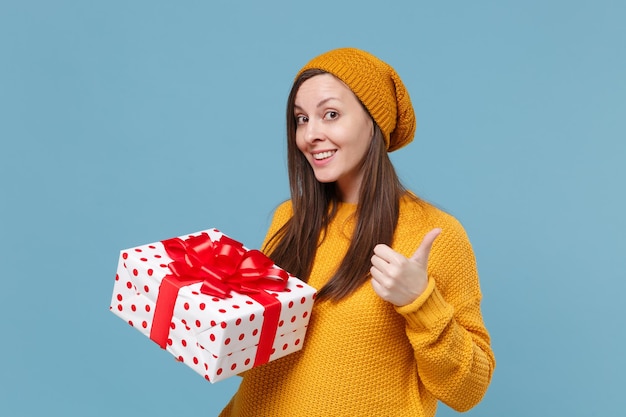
pixel 315 204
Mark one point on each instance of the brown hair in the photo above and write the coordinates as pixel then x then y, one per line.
pixel 314 204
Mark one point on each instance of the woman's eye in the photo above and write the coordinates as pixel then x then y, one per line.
pixel 301 119
pixel 330 115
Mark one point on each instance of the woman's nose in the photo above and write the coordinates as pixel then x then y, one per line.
pixel 313 132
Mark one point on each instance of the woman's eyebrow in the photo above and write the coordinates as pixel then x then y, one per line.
pixel 320 104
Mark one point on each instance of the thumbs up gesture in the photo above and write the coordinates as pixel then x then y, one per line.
pixel 398 279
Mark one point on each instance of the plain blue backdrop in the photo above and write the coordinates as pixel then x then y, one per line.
pixel 127 122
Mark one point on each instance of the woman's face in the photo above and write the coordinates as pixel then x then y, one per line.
pixel 334 132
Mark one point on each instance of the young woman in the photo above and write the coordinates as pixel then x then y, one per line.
pixel 397 324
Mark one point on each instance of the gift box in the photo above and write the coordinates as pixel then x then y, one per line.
pixel 215 305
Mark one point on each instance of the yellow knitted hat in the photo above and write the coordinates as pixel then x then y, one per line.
pixel 378 87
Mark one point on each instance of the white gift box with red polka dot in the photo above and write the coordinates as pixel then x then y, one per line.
pixel 216 337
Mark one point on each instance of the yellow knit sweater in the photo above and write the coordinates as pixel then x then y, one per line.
pixel 364 357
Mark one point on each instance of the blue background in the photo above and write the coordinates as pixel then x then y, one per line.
pixel 127 122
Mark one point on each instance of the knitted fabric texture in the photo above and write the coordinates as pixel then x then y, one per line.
pixel 364 357
pixel 378 87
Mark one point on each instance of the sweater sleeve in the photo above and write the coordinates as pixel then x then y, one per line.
pixel 445 326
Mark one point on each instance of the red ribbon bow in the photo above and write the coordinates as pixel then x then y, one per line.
pixel 222 266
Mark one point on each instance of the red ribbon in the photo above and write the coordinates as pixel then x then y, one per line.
pixel 222 266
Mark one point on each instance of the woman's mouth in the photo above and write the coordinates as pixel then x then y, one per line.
pixel 323 155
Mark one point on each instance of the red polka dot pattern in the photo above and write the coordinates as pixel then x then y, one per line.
pixel 217 338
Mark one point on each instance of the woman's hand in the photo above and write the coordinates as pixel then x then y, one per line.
pixel 400 280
